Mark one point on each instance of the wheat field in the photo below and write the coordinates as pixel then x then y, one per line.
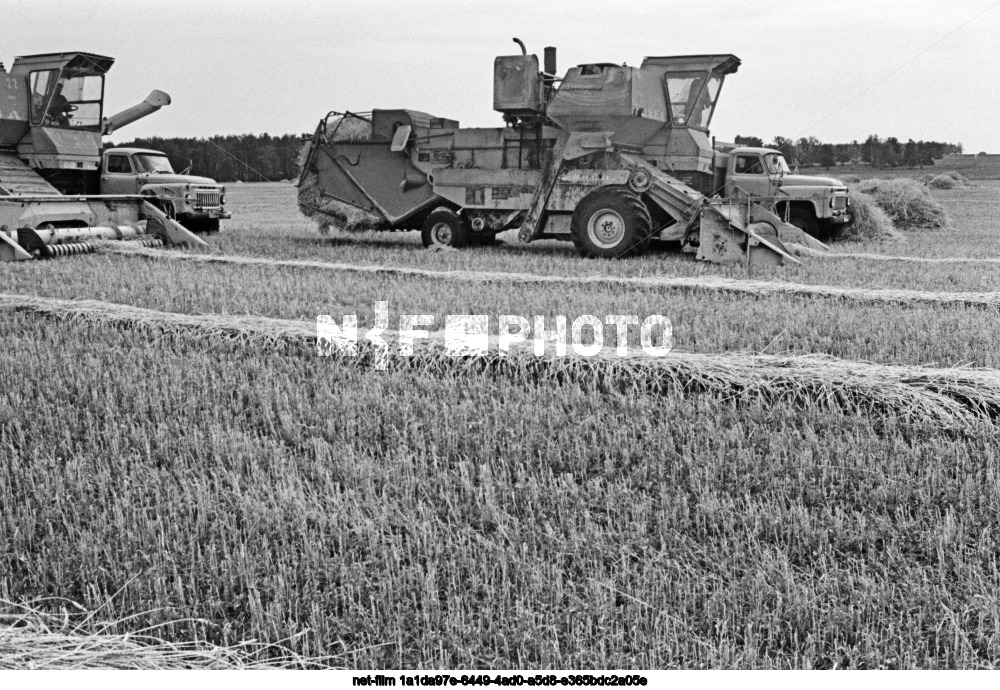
pixel 227 485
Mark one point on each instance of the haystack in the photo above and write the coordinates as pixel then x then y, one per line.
pixel 907 203
pixel 870 221
pixel 943 182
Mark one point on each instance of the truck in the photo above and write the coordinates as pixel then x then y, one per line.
pixel 197 203
pixel 821 206
pixel 608 156
pixel 52 125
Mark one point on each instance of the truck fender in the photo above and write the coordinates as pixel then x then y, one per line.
pixel 816 206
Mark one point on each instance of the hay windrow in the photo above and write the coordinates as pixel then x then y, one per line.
pixel 906 202
pixel 955 260
pixel 757 288
pixel 945 397
pixel 31 639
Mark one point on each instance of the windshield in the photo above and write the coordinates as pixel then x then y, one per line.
pixel 152 163
pixel 74 101
pixel 683 88
pixel 702 113
pixel 42 85
pixel 776 163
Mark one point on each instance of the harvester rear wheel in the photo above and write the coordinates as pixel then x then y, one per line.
pixel 444 228
pixel 612 223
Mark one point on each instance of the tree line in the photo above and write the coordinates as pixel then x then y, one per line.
pixel 874 151
pixel 262 157
pixel 245 157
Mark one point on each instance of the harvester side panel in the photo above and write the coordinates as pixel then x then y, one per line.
pixel 336 183
pixel 372 177
pixel 13 108
pixel 506 189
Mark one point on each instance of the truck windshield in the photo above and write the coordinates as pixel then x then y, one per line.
pixel 776 163
pixel 151 163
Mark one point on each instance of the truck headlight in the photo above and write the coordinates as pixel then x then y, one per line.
pixel 222 199
pixel 188 197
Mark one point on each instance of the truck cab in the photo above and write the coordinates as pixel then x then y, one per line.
pixel 197 203
pixel 817 205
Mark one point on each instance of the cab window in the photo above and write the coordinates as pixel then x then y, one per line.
pixel 70 100
pixel 683 89
pixel 119 164
pixel 43 83
pixel 77 101
pixel 748 165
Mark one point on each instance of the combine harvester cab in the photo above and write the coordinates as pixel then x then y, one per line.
pixel 51 129
pixel 609 157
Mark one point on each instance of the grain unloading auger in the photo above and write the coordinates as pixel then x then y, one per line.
pixel 51 129
pixel 609 157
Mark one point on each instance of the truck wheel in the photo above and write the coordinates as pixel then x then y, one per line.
pixel 611 222
pixel 208 226
pixel 482 239
pixel 444 228
pixel 804 221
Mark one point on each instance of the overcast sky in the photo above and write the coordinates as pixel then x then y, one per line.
pixel 834 70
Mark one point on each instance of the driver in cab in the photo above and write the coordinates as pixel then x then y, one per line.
pixel 59 110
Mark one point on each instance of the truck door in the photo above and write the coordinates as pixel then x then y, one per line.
pixel 749 176
pixel 118 177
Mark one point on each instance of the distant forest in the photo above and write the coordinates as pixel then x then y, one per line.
pixel 874 151
pixel 262 157
pixel 246 157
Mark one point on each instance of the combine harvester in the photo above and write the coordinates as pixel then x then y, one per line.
pixel 609 157
pixel 51 129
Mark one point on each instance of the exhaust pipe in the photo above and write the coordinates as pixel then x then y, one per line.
pixel 550 61
pixel 153 102
pixel 549 67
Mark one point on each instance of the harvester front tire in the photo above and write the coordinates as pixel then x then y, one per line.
pixel 611 223
pixel 444 228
